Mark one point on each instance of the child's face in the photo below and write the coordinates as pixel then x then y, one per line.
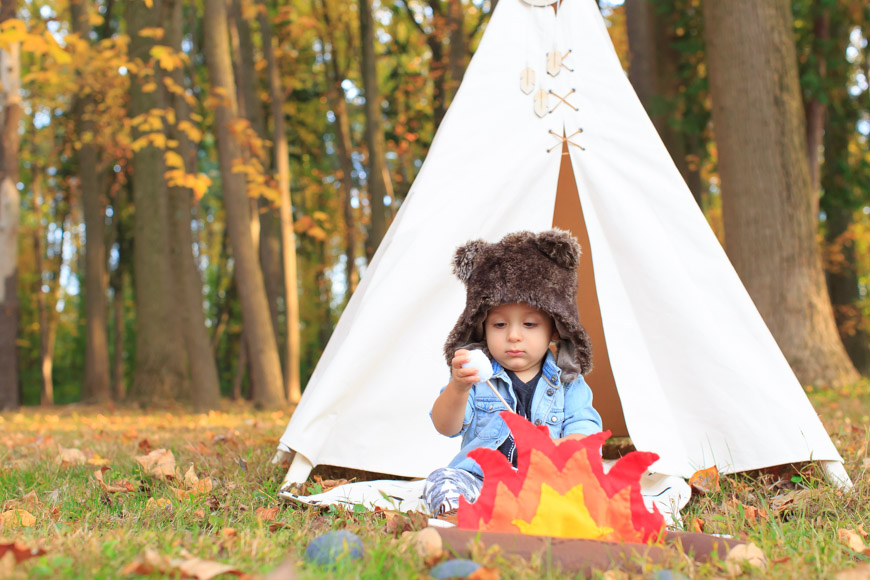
pixel 518 336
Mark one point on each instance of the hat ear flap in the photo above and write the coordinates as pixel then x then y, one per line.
pixel 466 259
pixel 560 246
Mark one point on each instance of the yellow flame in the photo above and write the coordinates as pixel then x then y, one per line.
pixel 562 516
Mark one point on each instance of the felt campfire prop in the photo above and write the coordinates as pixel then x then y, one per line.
pixel 561 490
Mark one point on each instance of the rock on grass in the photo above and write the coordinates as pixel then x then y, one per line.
pixel 328 549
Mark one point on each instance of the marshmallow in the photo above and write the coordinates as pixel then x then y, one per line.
pixel 481 362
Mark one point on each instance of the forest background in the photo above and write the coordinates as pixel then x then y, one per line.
pixel 158 155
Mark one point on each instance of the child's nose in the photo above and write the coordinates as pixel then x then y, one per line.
pixel 514 333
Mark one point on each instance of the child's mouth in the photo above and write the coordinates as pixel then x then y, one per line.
pixel 515 353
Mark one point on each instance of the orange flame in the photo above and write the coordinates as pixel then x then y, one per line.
pixel 561 490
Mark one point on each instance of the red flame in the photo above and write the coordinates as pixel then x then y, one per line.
pixel 511 500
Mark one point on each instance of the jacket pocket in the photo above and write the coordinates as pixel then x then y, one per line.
pixel 487 421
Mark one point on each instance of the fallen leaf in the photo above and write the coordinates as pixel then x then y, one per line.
pixel 484 573
pixel 705 480
pixel 275 526
pixel 859 572
pixel 155 504
pixel 427 542
pixel 698 525
pixel 196 485
pixel 852 540
pixel 188 567
pixel 95 459
pixel 160 463
pixel 199 513
pixel 267 514
pixel 19 550
pixel 744 554
pixel 145 447
pixel 70 457
pixel 229 532
pixel 14 518
pixel 792 500
pixel 859 529
pixel 122 486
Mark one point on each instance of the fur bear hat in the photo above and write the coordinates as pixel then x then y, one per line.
pixel 535 269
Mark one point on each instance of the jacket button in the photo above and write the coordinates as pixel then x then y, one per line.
pixel 553 419
pixel 537 421
pixel 550 392
pixel 490 407
pixel 553 378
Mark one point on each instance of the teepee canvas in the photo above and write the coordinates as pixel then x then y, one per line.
pixel 546 131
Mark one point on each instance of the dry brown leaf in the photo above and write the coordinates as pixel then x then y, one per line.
pixel 95 459
pixel 122 486
pixel 275 526
pixel 791 500
pixel 160 463
pixel 697 525
pixel 859 572
pixel 199 513
pixel 31 499
pixel 70 457
pixel 852 540
pixel 189 567
pixel 484 573
pixel 145 447
pixel 229 532
pixel 705 480
pixel 17 518
pixel 19 551
pixel 179 493
pixel 195 485
pixel 266 514
pixel 156 504
pixel 859 529
pixel 744 554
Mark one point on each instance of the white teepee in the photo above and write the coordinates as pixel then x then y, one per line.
pixel 683 362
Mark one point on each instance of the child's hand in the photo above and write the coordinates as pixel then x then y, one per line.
pixel 463 378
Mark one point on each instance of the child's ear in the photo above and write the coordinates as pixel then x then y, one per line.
pixel 466 258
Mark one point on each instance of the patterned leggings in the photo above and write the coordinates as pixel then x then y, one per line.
pixel 445 485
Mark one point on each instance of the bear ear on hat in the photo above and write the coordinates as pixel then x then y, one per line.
pixel 560 246
pixel 466 258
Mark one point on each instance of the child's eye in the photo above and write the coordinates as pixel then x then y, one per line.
pixel 499 324
pixel 530 324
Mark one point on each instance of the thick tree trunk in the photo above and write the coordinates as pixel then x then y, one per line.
pixel 653 74
pixel 814 108
pixel 10 115
pixel 265 364
pixel 97 386
pixel 292 382
pixel 767 196
pixel 205 387
pixel 376 176
pixel 160 365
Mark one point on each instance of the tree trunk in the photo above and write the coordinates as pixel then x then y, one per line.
pixel 292 383
pixel 10 115
pixel 654 76
pixel 458 44
pixel 205 386
pixel 265 364
pixel 97 386
pixel 814 108
pixel 376 176
pixel 767 196
pixel 338 104
pixel 160 366
pixel 46 395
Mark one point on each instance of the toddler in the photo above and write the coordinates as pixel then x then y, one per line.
pixel 521 310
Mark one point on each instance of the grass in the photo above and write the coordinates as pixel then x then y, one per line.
pixel 88 532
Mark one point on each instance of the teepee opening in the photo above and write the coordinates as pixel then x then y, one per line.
pixel 568 215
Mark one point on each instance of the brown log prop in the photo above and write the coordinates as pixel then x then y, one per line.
pixel 588 555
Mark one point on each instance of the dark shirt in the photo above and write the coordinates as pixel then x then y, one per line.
pixel 525 392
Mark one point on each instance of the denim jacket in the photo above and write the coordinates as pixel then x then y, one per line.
pixel 565 409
